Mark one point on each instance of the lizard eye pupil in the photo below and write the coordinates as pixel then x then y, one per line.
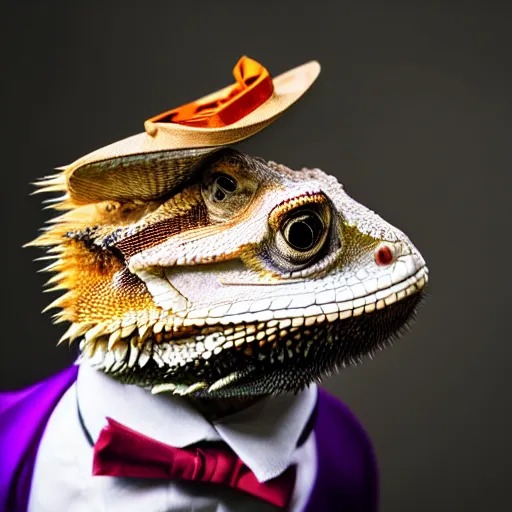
pixel 226 182
pixel 303 231
pixel 222 186
pixel 219 195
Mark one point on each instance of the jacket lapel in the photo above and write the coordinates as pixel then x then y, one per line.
pixel 347 477
pixel 23 418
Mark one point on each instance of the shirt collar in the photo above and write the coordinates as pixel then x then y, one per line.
pixel 263 435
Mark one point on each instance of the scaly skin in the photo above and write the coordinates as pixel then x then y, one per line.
pixel 245 278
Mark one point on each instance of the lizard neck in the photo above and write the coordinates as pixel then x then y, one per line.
pixel 217 408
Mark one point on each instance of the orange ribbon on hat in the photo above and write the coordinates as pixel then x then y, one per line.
pixel 252 88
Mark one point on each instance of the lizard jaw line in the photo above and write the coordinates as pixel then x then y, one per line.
pixel 381 297
pixel 123 356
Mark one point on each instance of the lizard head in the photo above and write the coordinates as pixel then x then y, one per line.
pixel 244 278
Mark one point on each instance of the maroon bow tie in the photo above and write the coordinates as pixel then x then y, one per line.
pixel 121 451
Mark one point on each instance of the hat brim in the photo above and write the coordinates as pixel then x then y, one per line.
pixel 104 164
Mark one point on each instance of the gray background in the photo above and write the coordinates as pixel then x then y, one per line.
pixel 411 112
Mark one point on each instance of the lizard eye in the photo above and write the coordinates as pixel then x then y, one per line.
pixel 227 194
pixel 301 236
pixel 221 187
pixel 303 230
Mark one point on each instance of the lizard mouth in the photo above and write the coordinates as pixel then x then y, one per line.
pixel 274 356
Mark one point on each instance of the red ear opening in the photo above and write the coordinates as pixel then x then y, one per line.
pixel 384 255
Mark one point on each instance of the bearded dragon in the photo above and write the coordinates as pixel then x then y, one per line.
pixel 217 274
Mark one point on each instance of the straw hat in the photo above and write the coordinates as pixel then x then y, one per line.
pixel 149 164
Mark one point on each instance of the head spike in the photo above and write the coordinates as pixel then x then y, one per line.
pixel 54 200
pixel 50 181
pixel 59 302
pixel 58 277
pixel 47 258
pixel 52 267
pixel 65 205
pixel 56 288
pixel 50 176
pixel 74 331
pixel 56 249
pixel 49 188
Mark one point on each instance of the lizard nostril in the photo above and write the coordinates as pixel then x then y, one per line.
pixel 384 255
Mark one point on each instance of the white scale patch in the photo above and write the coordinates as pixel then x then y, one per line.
pixel 344 293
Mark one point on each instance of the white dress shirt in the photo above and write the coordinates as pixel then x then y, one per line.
pixel 263 435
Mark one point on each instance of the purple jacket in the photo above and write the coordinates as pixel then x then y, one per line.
pixel 346 479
